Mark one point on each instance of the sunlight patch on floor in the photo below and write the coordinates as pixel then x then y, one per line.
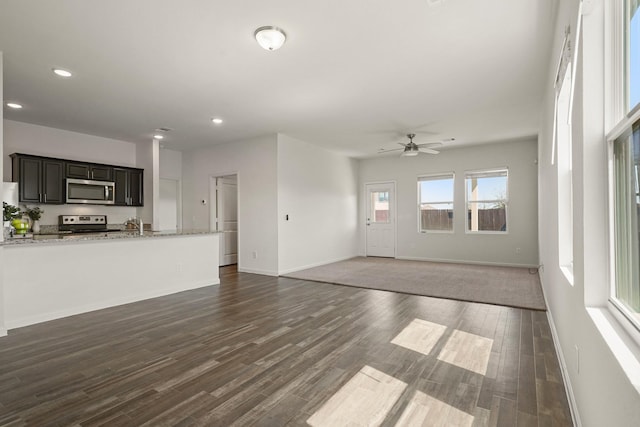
pixel 424 410
pixel 420 335
pixel 363 401
pixel 467 351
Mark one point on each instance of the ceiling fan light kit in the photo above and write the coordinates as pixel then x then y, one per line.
pixel 410 151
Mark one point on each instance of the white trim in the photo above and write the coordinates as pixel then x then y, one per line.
pixel 623 346
pixel 257 271
pixel 3 332
pixel 316 264
pixel 573 404
pixel 45 317
pixel 462 261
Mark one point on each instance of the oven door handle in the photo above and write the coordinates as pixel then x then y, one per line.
pixel 106 192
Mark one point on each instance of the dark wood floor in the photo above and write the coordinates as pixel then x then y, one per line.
pixel 260 350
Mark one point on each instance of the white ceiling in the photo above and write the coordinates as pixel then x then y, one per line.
pixel 352 76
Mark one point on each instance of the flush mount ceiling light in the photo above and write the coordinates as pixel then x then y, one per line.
pixel 62 73
pixel 158 136
pixel 216 121
pixel 14 105
pixel 270 38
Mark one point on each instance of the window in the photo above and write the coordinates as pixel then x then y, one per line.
pixel 435 196
pixel 624 152
pixel 626 206
pixel 633 53
pixel 487 201
pixel 562 141
pixel 380 207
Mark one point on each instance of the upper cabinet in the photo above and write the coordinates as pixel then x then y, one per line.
pixel 89 171
pixel 40 180
pixel 128 186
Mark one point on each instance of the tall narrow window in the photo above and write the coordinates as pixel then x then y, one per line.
pixel 487 200
pixel 626 206
pixel 435 196
pixel 565 175
pixel 633 53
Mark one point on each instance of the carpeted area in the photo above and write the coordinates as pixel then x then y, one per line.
pixel 510 286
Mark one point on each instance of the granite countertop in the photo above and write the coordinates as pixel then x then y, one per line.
pixel 112 235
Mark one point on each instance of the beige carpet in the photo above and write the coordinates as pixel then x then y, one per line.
pixel 510 286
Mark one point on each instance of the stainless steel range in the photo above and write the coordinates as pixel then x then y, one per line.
pixel 83 223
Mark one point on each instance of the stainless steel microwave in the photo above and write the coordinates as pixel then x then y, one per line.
pixel 90 192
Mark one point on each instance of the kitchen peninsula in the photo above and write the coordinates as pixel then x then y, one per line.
pixel 46 279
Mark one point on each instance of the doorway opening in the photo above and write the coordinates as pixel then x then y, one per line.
pixel 223 215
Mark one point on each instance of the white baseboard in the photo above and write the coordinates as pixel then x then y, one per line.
pixel 3 332
pixel 45 317
pixel 256 271
pixel 317 264
pixel 573 406
pixel 461 261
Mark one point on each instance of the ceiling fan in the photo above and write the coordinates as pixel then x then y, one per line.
pixel 413 149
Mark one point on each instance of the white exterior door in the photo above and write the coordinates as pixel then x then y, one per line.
pixel 224 216
pixel 380 220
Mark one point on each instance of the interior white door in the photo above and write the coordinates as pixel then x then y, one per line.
pixel 227 196
pixel 168 211
pixel 380 221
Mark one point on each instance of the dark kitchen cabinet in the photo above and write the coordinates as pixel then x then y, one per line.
pixel 128 187
pixel 40 180
pixel 89 171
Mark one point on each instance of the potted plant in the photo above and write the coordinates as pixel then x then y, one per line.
pixel 9 213
pixel 34 215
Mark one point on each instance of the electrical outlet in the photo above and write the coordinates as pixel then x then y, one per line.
pixel 179 267
pixel 254 254
pixel 517 250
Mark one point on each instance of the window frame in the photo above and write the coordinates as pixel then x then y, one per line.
pixel 434 177
pixel 619 120
pixel 467 175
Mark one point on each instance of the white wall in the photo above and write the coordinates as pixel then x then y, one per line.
pixel 170 169
pixel 50 142
pixel 3 330
pixel 522 214
pixel 318 190
pixel 170 164
pixel 148 158
pixel 79 276
pixel 601 391
pixel 255 163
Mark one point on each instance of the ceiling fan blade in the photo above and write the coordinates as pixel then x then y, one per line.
pixel 428 151
pixel 429 144
pixel 382 150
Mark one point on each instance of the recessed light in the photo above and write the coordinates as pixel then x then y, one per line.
pixel 158 136
pixel 216 121
pixel 14 105
pixel 62 73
